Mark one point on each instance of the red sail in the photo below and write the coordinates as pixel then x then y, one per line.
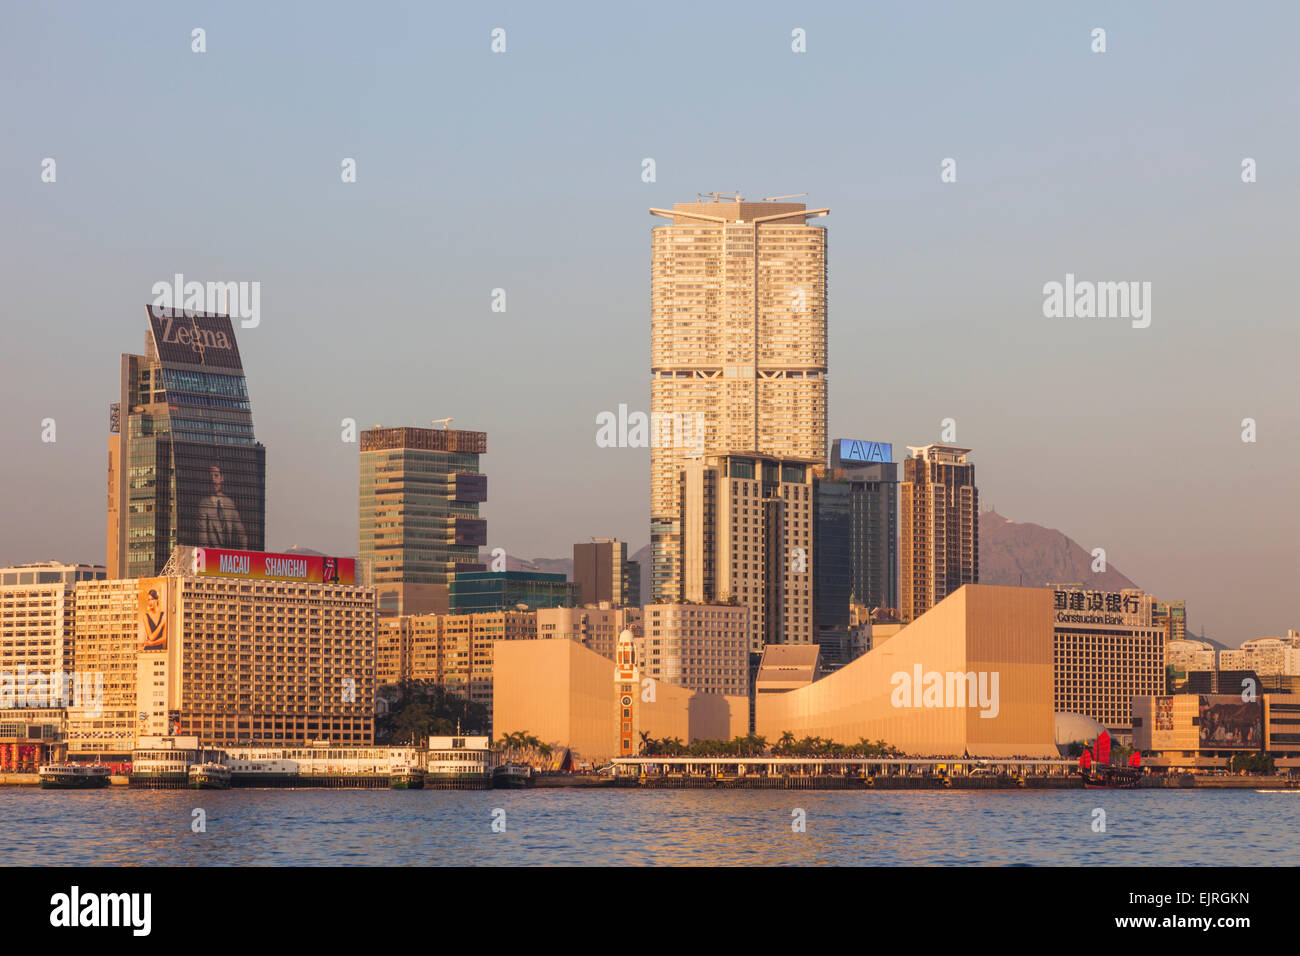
pixel 1085 759
pixel 1103 748
pixel 1135 760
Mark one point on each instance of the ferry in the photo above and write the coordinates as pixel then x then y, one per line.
pixel 209 776
pixel 512 776
pixel 73 776
pixel 161 769
pixel 406 778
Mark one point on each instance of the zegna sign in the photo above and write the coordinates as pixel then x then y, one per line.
pixel 194 338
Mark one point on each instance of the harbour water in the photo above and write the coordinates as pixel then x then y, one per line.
pixel 640 827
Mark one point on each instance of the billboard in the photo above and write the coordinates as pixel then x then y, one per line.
pixel 853 450
pixel 1229 722
pixel 195 338
pixel 151 618
pixel 220 495
pixel 270 566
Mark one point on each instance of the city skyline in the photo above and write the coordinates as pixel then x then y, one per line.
pixel 1140 428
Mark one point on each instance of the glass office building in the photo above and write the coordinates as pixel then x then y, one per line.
pixel 184 465
pixel 477 591
pixel 419 518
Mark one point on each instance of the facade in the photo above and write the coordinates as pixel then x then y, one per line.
pixel 184 467
pixel 229 658
pixel 1185 656
pixel 603 574
pixel 595 628
pixel 1202 731
pixel 1107 651
pixel 747 536
pixel 1266 656
pixel 738 355
pixel 454 651
pixel 38 672
pixel 872 476
pixel 420 492
pixel 787 667
pixel 832 559
pixel 569 696
pixel 940 526
pixel 697 647
pixel 1172 616
pixel 972 676
pixel 481 591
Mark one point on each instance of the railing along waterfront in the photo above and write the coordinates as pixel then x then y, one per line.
pixel 843 766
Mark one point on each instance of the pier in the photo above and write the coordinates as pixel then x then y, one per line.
pixel 848 773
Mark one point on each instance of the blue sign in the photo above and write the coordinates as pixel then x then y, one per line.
pixel 865 451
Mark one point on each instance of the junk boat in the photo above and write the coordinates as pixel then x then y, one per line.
pixel 1102 775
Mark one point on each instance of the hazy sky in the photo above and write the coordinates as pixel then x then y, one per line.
pixel 522 170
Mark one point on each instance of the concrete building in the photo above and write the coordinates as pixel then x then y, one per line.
pixel 787 667
pixel 569 696
pixel 697 647
pixel 38 672
pixel 1202 731
pixel 184 467
pixel 1172 617
pixel 595 628
pixel 747 537
pixel 257 648
pixel 420 493
pixel 477 592
pixel 454 651
pixel 1185 655
pixel 738 356
pixel 940 526
pixel 604 575
pixel 1266 656
pixel 973 675
pixel 1107 651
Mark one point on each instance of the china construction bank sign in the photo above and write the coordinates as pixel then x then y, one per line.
pixel 266 565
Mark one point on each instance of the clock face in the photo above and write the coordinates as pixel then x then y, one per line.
pixel 627 701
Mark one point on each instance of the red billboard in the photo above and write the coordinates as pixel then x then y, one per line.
pixel 266 565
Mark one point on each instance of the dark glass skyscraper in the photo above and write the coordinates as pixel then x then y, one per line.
pixel 184 467
pixel 869 470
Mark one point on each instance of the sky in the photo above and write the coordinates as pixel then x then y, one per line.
pixel 522 170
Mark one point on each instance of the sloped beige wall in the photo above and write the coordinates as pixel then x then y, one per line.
pixel 980 627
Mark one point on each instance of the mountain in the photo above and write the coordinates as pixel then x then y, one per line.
pixel 1021 553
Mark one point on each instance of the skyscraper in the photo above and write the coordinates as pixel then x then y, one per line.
pixel 603 573
pixel 747 537
pixel 872 476
pixel 419 522
pixel 184 467
pixel 940 547
pixel 738 348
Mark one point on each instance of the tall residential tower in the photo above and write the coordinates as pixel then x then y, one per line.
pixel 737 348
pixel 940 526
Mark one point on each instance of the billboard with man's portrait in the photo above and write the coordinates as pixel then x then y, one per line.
pixel 220 495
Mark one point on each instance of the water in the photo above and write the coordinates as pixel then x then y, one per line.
pixel 566 827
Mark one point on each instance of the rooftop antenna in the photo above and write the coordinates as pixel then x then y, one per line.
pixel 791 196
pixel 444 422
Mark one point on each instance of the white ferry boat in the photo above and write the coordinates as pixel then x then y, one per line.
pixel 163 763
pixel 209 776
pixel 73 776
pixel 512 776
